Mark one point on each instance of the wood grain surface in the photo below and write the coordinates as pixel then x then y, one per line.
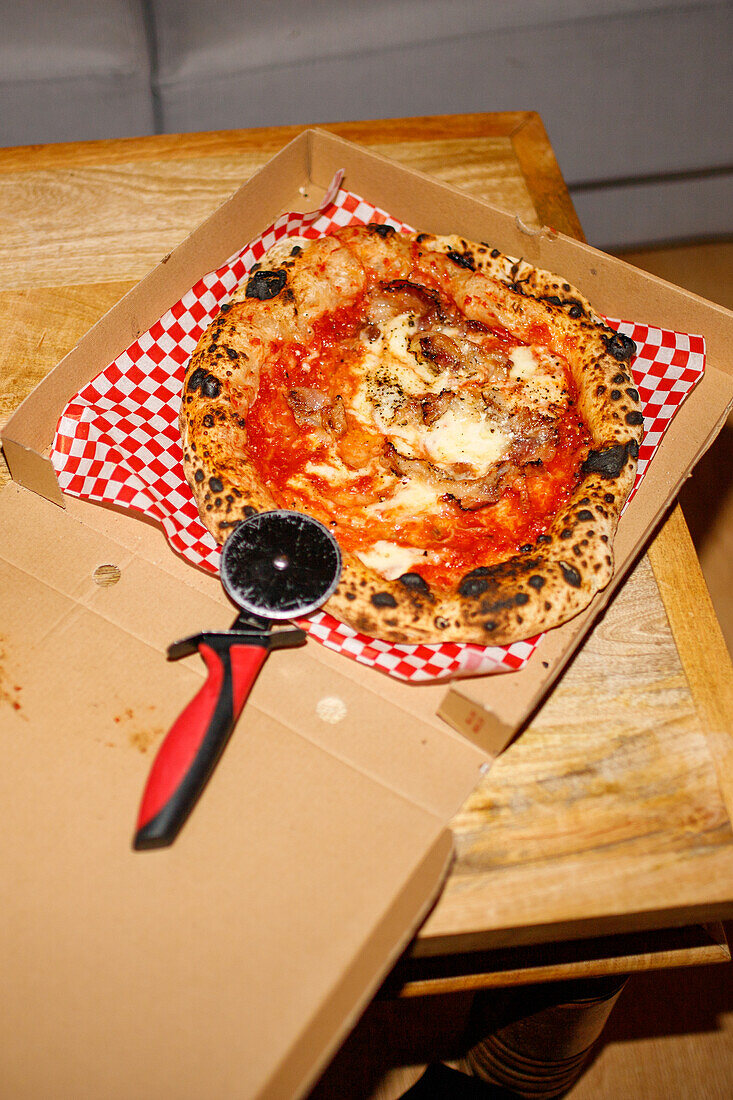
pixel 607 798
pixel 609 813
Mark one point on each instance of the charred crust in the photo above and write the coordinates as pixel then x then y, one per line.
pixel 498 605
pixel 384 231
pixel 463 259
pixel 584 515
pixel 620 347
pixel 198 476
pixel 634 419
pixel 570 574
pixel 216 485
pixel 266 284
pixel 615 395
pixel 383 599
pixel 208 421
pixel 415 583
pixel 608 462
pixel 474 583
pixel 472 586
pixel 490 625
pixel 544 538
pixel 296 250
pixel 574 307
pixel 633 394
pixel 205 382
pixel 633 448
pixel 226 307
pixel 536 581
pixel 248 511
pixel 232 353
pixel 521 599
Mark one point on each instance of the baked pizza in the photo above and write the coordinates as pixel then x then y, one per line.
pixel 464 424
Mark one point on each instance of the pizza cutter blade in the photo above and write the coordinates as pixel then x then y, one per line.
pixel 275 566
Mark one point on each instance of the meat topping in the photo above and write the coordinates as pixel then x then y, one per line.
pixel 305 404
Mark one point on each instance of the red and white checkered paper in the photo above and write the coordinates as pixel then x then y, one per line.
pixel 117 440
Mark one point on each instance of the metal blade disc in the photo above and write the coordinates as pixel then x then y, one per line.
pixel 280 564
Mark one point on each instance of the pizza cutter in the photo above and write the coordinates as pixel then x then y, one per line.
pixel 275 566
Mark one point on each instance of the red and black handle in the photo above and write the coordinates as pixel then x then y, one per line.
pixel 197 739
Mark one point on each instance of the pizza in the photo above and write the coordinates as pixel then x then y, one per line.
pixel 465 424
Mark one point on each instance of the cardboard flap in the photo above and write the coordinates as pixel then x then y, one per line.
pixel 313 854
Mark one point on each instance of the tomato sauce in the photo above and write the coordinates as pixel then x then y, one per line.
pixel 456 540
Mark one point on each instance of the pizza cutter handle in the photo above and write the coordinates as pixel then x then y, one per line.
pixel 195 742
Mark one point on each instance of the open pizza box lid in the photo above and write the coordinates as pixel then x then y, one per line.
pixel 236 960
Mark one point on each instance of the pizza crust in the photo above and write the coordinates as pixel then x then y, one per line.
pixel 544 584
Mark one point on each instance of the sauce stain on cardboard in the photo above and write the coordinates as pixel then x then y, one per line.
pixel 138 731
pixel 10 692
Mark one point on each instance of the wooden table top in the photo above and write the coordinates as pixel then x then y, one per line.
pixel 610 815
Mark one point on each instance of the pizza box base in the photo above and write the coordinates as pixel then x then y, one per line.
pixel 236 960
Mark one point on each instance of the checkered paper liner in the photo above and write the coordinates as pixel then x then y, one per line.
pixel 117 441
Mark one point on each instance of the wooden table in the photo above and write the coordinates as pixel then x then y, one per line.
pixel 606 825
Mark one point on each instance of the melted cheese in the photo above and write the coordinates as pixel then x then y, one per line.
pixel 326 470
pixel 391 374
pixel 390 560
pixel 412 498
pixel 395 337
pixel 465 434
pixel 472 433
pixel 541 376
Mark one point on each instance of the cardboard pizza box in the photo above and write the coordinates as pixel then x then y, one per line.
pixel 236 960
pixel 487 710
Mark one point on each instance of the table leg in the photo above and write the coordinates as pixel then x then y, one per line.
pixel 535 1040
